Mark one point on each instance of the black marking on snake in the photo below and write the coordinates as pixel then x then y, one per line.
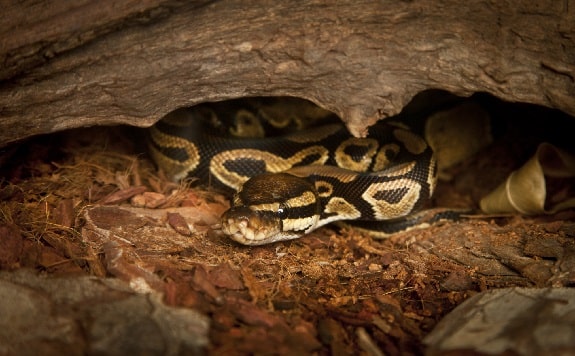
pixel 200 125
pixel 246 167
pixel 356 152
pixel 265 190
pixel 390 154
pixel 309 159
pixel 177 131
pixel 175 153
pixel 165 127
pixel 392 196
pixel 297 212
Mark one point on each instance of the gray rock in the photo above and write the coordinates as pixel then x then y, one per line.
pixel 520 321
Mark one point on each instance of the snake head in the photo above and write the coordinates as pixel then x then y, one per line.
pixel 272 207
pixel 251 227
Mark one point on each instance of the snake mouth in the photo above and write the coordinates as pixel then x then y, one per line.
pixel 251 227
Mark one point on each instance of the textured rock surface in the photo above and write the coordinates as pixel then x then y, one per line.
pixel 520 321
pixel 88 63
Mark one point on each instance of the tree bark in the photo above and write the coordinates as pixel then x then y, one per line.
pixel 92 63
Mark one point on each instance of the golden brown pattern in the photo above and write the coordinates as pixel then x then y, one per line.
pixel 288 185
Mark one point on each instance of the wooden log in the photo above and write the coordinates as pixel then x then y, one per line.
pixel 99 63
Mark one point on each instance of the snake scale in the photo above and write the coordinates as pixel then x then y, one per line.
pixel 300 178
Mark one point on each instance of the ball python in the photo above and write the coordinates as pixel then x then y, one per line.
pixel 288 185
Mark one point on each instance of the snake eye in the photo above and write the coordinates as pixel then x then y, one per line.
pixel 282 211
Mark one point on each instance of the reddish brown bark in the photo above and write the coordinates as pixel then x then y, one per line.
pixel 92 63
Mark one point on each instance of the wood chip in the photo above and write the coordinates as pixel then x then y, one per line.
pixel 122 195
pixel 224 276
pixel 178 223
pixel 11 245
pixel 64 213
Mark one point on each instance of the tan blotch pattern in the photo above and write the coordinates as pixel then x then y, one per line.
pixel 273 163
pixel 381 160
pixel 307 198
pixel 342 209
pixel 247 125
pixel 345 161
pixel 325 189
pixel 174 169
pixel 384 210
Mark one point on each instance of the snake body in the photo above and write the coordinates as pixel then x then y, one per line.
pixel 288 185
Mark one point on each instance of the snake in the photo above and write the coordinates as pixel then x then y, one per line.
pixel 285 185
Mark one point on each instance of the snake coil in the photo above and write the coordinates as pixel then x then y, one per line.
pixel 289 185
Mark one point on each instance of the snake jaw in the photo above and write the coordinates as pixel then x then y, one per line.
pixel 251 227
